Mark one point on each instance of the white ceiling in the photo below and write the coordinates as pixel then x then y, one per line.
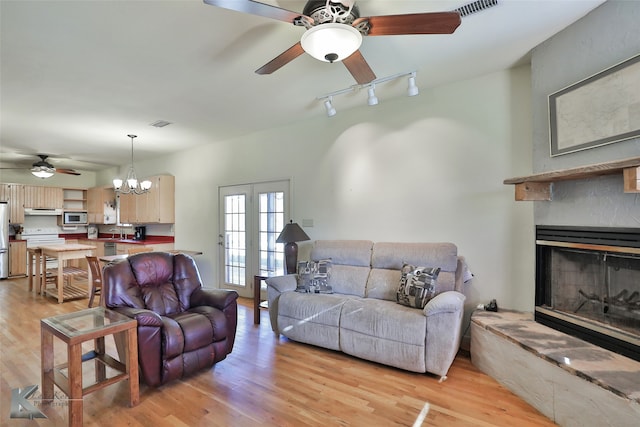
pixel 77 76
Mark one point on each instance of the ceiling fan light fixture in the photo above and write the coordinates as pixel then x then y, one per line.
pixel 41 172
pixel 331 42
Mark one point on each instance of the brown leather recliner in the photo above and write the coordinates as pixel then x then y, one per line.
pixel 182 327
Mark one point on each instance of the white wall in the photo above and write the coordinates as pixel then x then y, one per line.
pixel 428 168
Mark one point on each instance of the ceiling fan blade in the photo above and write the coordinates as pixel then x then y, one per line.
pixel 413 23
pixel 256 8
pixel 67 171
pixel 359 68
pixel 281 60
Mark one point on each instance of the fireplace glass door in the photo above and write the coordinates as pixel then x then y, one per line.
pixel 598 286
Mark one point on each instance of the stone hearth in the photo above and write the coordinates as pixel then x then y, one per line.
pixel 569 380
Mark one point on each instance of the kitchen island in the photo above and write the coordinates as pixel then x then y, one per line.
pixel 63 253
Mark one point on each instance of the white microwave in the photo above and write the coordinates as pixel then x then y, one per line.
pixel 74 218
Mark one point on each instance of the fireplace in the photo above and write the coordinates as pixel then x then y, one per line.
pixel 588 284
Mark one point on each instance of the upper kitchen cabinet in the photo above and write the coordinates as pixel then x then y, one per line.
pixel 14 194
pixel 155 206
pixel 37 197
pixel 74 199
pixel 101 205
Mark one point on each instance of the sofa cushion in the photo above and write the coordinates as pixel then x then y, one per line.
pixel 311 318
pixel 344 252
pixel 384 332
pixel 349 280
pixel 387 260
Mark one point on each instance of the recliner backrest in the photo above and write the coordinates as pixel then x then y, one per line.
pixel 158 281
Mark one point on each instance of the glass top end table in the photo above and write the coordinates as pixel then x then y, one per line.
pixel 74 329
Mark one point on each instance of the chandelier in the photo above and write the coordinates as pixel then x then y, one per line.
pixel 130 184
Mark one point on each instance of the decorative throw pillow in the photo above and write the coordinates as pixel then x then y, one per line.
pixel 313 277
pixel 417 285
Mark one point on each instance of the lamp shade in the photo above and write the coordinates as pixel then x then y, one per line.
pixel 292 233
pixel 331 42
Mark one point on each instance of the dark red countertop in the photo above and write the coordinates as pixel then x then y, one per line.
pixel 102 237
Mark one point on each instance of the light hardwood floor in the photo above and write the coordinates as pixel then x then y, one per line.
pixel 266 381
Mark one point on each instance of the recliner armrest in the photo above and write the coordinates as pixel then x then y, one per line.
pixel 218 298
pixel 446 302
pixel 284 283
pixel 143 316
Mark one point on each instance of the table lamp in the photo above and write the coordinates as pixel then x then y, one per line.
pixel 291 233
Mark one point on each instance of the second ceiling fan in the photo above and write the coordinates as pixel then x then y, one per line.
pixel 335 30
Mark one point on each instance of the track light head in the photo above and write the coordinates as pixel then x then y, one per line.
pixel 372 99
pixel 330 110
pixel 413 89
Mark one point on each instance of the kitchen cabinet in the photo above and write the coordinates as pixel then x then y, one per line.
pixel 43 197
pixel 155 206
pixel 14 194
pixel 74 199
pixel 18 258
pixel 101 205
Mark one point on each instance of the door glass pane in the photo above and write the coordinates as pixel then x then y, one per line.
pixel 271 222
pixel 234 240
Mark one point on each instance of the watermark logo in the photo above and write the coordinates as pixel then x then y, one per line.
pixel 21 407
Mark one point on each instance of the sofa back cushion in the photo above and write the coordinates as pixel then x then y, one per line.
pixel 387 260
pixel 351 263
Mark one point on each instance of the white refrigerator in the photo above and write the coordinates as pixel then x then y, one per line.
pixel 4 240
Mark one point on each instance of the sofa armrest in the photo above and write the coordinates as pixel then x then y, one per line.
pixel 218 298
pixel 143 316
pixel 276 286
pixel 284 283
pixel 444 322
pixel 446 302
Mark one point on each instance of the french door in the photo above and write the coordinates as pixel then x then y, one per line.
pixel 251 216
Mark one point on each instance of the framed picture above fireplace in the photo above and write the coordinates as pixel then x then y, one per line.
pixel 599 110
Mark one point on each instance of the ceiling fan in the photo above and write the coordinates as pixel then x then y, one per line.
pixel 335 29
pixel 44 169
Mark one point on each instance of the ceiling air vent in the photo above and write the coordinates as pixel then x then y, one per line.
pixel 476 6
pixel 160 123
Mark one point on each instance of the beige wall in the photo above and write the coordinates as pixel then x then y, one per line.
pixel 427 168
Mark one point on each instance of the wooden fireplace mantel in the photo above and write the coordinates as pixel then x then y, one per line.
pixel 540 186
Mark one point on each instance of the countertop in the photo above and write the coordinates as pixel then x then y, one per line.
pixel 150 240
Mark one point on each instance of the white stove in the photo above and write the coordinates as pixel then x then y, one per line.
pixel 41 236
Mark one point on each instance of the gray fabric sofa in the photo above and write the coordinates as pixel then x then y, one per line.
pixel 362 318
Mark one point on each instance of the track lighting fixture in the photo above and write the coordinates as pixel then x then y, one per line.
pixel 413 89
pixel 372 99
pixel 330 110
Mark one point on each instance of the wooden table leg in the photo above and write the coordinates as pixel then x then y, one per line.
pixel 100 367
pixel 41 281
pixel 30 270
pixel 75 385
pixel 60 281
pixel 132 366
pixel 257 285
pixel 46 357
